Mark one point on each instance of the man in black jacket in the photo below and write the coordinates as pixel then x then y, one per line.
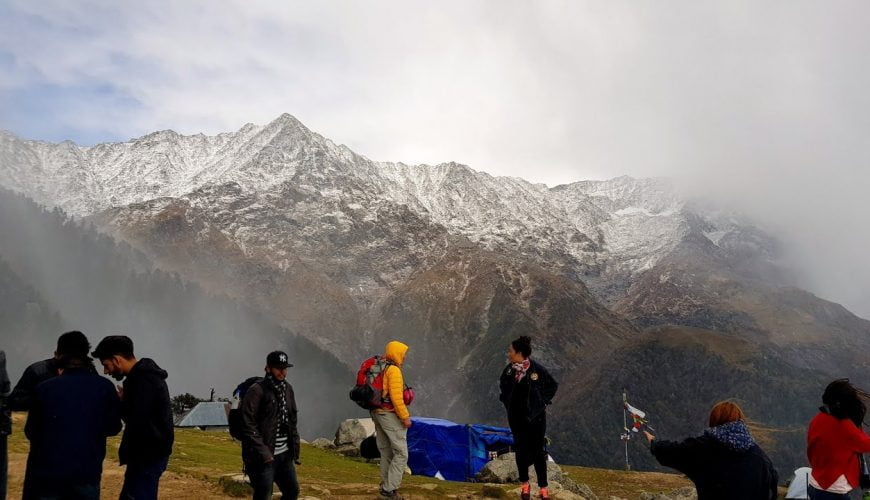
pixel 270 447
pixel 147 412
pixel 71 416
pixel 70 343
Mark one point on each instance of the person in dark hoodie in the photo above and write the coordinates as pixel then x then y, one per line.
pixel 725 462
pixel 70 417
pixel 70 343
pixel 147 413
pixel 526 390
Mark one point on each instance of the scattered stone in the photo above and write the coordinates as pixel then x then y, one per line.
pixel 322 443
pixel 684 493
pixel 578 488
pixel 347 450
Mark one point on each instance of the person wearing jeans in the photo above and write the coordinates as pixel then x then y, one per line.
pixel 270 442
pixel 145 407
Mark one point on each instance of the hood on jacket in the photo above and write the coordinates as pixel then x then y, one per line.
pixel 395 352
pixel 733 435
pixel 147 366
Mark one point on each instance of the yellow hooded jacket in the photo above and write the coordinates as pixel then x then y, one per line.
pixel 394 384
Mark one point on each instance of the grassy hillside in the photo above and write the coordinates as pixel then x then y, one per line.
pixel 202 461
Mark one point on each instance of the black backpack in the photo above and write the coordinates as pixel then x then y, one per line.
pixel 234 418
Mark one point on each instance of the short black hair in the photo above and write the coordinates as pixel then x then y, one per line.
pixel 843 401
pixel 73 343
pixel 72 361
pixel 523 345
pixel 114 345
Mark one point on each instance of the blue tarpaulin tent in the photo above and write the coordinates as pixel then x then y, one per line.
pixel 455 451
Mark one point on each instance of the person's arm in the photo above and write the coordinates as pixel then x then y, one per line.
pixel 505 388
pixel 249 407
pixel 774 480
pixel 294 430
pixel 113 411
pixel 34 420
pixel 22 395
pixel 549 386
pixel 396 387
pixel 858 439
pixel 682 456
pixel 4 376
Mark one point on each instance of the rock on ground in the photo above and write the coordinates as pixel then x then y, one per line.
pixel 322 443
pixel 504 470
pixel 353 431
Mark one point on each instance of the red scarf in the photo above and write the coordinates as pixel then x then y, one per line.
pixel 520 369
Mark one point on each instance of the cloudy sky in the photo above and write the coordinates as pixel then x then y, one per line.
pixel 764 104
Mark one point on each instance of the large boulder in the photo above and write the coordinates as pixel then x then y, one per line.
pixel 353 431
pixel 504 470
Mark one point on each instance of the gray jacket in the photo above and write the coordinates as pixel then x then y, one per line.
pixel 259 410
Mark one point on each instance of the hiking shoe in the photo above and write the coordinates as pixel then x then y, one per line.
pixel 388 494
pixel 525 492
pixel 545 493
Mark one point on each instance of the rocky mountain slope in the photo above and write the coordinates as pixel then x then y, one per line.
pixel 349 252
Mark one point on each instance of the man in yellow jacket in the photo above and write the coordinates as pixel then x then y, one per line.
pixel 392 421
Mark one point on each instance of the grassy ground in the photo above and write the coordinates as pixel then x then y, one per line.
pixel 202 460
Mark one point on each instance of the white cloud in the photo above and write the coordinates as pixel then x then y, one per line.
pixel 767 102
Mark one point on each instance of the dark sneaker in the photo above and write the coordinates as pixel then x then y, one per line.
pixel 388 494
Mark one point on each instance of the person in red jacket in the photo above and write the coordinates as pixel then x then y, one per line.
pixel 834 440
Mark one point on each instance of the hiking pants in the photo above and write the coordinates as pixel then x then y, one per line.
pixel 141 481
pixel 280 471
pixel 392 440
pixel 530 445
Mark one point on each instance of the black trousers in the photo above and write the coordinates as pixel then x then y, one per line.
pixel 530 445
pixel 4 464
pixel 815 494
pixel 280 471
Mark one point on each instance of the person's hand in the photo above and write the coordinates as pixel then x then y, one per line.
pixel 297 461
pixel 406 423
pixel 120 389
pixel 649 437
pixel 269 460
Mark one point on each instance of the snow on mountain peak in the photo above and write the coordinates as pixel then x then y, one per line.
pixel 629 222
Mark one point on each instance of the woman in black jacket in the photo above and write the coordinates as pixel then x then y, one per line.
pixel 526 390
pixel 725 462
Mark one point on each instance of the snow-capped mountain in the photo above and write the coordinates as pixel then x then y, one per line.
pixel 597 229
pixel 614 279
